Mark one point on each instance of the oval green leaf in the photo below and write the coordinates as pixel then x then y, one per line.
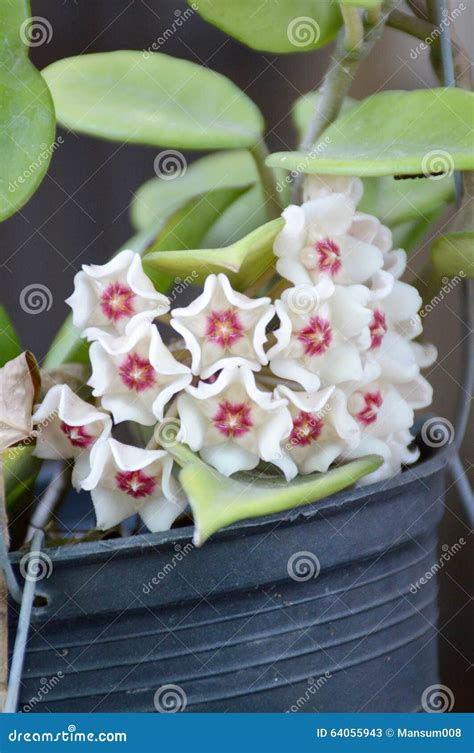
pixel 274 25
pixel 152 98
pixel 27 121
pixel 424 132
pixel 9 344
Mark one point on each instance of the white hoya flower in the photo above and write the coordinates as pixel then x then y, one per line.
pixel 114 297
pixel 233 424
pixel 68 427
pixel 322 332
pixel 322 427
pixel 321 238
pixel 223 328
pixel 317 186
pixel 126 480
pixel 385 417
pixel 136 375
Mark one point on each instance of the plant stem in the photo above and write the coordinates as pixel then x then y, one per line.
pixel 417 27
pixel 336 85
pixel 353 28
pixel 259 153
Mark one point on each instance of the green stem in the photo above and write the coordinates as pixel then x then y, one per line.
pixel 336 84
pixel 353 28
pixel 410 24
pixel 259 153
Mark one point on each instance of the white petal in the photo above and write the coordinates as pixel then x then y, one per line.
pixel 292 238
pixel 317 186
pixel 229 457
pixel 330 215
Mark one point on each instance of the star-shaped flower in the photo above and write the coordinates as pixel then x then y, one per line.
pixel 234 424
pixel 68 427
pixel 126 480
pixel 223 328
pixel 114 297
pixel 136 375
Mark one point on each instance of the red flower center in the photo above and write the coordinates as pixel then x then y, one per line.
pixel 378 328
pixel 117 301
pixel 328 256
pixel 307 428
pixel 372 403
pixel 77 435
pixel 137 373
pixel 136 484
pixel 316 336
pixel 233 419
pixel 224 328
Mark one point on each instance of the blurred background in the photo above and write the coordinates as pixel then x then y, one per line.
pixel 80 212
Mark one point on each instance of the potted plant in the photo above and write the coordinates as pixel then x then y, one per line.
pixel 257 577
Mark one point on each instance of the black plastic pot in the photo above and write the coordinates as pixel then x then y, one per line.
pixel 232 628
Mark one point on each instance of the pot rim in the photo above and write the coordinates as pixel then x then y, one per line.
pixel 130 544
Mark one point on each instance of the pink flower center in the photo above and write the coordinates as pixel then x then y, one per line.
pixel 233 419
pixel 135 483
pixel 316 336
pixel 117 301
pixel 77 435
pixel 137 373
pixel 329 256
pixel 224 328
pixel 307 428
pixel 378 328
pixel 372 403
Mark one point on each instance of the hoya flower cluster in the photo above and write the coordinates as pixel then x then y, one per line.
pixel 328 371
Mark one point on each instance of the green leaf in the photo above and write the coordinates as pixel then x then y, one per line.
pixel 408 235
pixel 218 501
pixel 152 98
pixel 427 131
pixel 274 25
pixel 20 469
pixel 245 214
pixel 392 201
pixel 67 347
pixel 243 261
pixel 453 254
pixel 158 198
pixel 9 344
pixel 27 121
pixel 368 4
